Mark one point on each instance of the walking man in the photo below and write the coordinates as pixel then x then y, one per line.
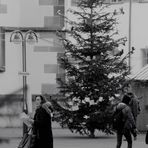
pixel 128 123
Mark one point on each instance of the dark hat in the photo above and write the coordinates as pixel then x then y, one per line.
pixel 126 99
pixel 130 94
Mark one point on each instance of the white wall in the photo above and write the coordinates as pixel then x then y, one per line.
pixel 32 14
pixel 24 13
pixel 10 80
pixel 12 17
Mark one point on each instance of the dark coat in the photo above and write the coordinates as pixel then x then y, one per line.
pixel 135 107
pixel 43 129
pixel 128 116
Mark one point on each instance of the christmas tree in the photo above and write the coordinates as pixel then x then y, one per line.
pixel 95 68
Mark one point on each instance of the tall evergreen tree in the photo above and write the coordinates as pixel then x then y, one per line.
pixel 95 68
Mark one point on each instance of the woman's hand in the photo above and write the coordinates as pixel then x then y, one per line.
pixel 26 119
pixel 31 120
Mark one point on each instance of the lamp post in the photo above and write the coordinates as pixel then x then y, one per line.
pixel 18 36
pixel 130 23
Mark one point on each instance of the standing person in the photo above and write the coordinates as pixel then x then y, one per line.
pixel 42 124
pixel 134 105
pixel 128 124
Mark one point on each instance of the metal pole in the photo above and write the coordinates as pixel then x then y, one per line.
pixel 24 81
pixel 130 19
pixel 16 35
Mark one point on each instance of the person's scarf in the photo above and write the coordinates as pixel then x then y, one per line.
pixel 48 108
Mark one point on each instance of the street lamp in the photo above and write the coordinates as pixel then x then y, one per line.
pixel 130 22
pixel 18 36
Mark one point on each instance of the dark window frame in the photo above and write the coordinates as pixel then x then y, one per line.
pixel 2 49
pixel 144 56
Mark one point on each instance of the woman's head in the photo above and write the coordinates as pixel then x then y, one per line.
pixel 126 99
pixel 130 94
pixel 39 100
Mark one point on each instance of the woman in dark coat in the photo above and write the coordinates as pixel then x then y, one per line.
pixel 42 124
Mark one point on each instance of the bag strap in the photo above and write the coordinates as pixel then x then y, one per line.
pixel 120 109
pixel 29 131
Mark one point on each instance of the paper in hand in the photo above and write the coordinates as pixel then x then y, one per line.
pixel 25 119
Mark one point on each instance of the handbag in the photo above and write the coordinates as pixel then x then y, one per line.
pixel 28 140
pixel 25 141
pixel 146 137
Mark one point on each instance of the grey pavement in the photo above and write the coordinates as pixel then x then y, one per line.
pixel 63 138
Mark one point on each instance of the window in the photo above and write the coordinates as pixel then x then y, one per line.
pixel 60 72
pixel 59 9
pixel 3 8
pixel 143 1
pixel 116 1
pixel 2 50
pixel 145 56
pixel 74 2
pixel 61 2
pixel 51 2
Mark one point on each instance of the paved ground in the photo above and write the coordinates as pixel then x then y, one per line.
pixel 63 138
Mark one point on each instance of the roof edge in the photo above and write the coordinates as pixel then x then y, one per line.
pixel 38 29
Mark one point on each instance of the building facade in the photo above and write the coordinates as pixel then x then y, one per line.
pixel 42 67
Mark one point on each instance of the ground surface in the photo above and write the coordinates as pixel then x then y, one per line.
pixel 63 138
